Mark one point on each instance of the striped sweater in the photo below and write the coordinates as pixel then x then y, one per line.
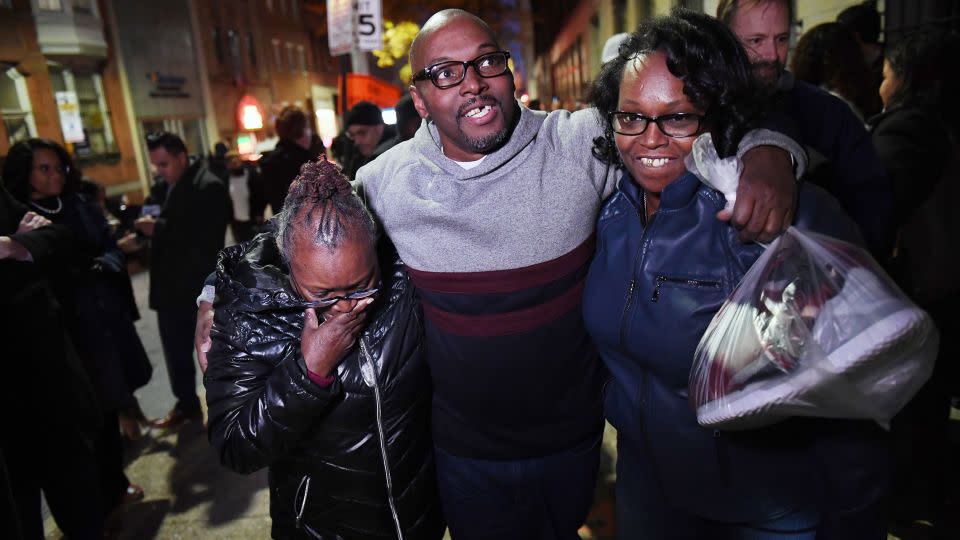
pixel 498 254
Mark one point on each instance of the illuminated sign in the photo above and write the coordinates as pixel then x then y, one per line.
pixel 249 114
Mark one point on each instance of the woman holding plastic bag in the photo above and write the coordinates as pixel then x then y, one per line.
pixel 664 266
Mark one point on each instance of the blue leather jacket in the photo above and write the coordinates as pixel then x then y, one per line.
pixel 651 292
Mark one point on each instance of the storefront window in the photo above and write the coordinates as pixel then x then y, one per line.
pixel 82 93
pixel 49 5
pixel 15 108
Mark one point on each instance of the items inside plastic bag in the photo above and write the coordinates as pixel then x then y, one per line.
pixel 815 328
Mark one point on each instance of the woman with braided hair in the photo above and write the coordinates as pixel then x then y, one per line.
pixel 317 371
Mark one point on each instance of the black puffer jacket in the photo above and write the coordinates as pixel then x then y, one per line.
pixel 325 447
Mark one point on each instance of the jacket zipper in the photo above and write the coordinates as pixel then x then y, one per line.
pixel 636 267
pixel 661 279
pixel 369 376
pixel 305 486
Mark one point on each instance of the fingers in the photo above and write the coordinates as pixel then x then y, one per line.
pixel 31 221
pixel 777 222
pixel 201 337
pixel 743 209
pixel 310 320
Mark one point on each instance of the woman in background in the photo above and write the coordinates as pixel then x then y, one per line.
pixel 917 138
pixel 93 288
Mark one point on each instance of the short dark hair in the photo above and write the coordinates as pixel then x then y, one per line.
pixel 727 9
pixel 291 123
pixel 322 200
pixel 364 113
pixel 171 142
pixel 18 166
pixel 863 19
pixel 828 55
pixel 922 62
pixel 707 57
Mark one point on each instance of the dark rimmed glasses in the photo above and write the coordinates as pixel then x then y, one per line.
pixel 672 125
pixel 327 302
pixel 452 73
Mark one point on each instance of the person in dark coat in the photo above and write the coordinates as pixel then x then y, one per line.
pixel 842 160
pixel 47 439
pixel 295 147
pixel 918 142
pixel 370 136
pixel 93 289
pixel 184 241
pixel 317 371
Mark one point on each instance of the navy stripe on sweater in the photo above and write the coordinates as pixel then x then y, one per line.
pixel 515 374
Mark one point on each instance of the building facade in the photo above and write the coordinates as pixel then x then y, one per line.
pixel 261 49
pixel 59 80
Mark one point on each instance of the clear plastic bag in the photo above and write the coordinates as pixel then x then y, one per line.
pixel 815 328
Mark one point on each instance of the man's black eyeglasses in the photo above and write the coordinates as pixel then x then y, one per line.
pixel 449 74
pixel 672 125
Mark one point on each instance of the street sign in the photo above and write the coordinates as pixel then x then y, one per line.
pixel 340 15
pixel 369 25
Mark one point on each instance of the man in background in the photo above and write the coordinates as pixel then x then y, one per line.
pixel 408 119
pixel 184 240
pixel 370 136
pixel 842 157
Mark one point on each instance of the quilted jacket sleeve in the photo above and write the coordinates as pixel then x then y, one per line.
pixel 260 402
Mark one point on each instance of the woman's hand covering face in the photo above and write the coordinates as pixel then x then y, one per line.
pixel 324 344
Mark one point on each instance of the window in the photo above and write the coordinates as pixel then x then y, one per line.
pixel 49 5
pixel 277 55
pixel 83 7
pixel 15 107
pixel 283 8
pixel 84 91
pixel 217 37
pixel 236 52
pixel 302 56
pixel 269 4
pixel 251 50
pixel 291 61
pixel 295 10
pixel 6 3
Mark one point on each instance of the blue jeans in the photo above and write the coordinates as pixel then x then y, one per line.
pixel 544 498
pixel 643 512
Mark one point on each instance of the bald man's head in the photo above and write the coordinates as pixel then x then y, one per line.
pixel 438 21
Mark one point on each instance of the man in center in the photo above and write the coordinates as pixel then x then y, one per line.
pixel 492 207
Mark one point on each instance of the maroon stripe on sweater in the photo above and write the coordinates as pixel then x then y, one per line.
pixel 511 322
pixel 504 281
